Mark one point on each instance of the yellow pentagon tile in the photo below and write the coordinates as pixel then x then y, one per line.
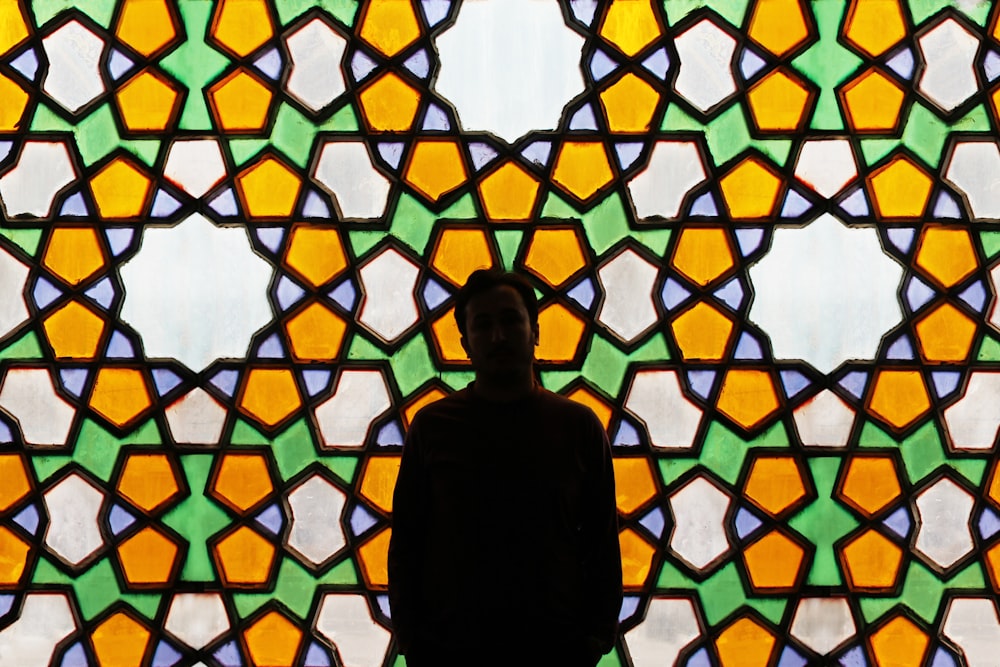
pixel 16 483
pixel 560 332
pixel 15 101
pixel 509 193
pixel 240 102
pixel 899 397
pixel 270 395
pixel 120 395
pixel 991 563
pixel 13 26
pixel 745 643
pixel 148 480
pixel 774 562
pixel 241 26
pixel 315 333
pixel 702 333
pixel 460 251
pixel 872 102
pixel 780 26
pixel 13 558
pixel 74 331
pixel 389 25
pixel 448 339
pixel 874 25
pixel 629 104
pixel 146 25
pixel 750 189
pixel 899 643
pixel 244 559
pixel 241 481
pixel 73 254
pixel 582 168
pixel 272 641
pixel 900 189
pixel 148 102
pixel 635 483
pixel 373 557
pixel 600 407
pixel 378 479
pixel 747 396
pixel 945 335
pixel 703 254
pixel 120 189
pixel 555 254
pixel 778 102
pixel 870 483
pixel 316 252
pixel 268 188
pixel 775 483
pixel 946 254
pixel 435 168
pixel 871 562
pixel 413 406
pixel 631 25
pixel 389 104
pixel 148 559
pixel 637 559
pixel 120 641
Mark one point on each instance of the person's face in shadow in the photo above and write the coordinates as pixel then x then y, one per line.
pixel 500 339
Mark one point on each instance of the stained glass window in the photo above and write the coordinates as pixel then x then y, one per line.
pixel 764 235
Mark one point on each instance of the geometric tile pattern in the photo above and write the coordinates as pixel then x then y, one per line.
pixel 230 237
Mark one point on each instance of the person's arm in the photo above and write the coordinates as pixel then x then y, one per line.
pixel 602 553
pixel 404 543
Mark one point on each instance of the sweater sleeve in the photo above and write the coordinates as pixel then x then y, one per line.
pixel 404 542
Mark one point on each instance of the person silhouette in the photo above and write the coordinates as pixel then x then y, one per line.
pixel 504 546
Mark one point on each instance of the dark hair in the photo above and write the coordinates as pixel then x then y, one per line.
pixel 483 280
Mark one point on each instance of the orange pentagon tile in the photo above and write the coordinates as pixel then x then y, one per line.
pixel 120 189
pixel 600 407
pixel 73 254
pixel 774 562
pixel 13 558
pixel 448 339
pixel 268 188
pixel 272 640
pixel 148 480
pixel 270 395
pixel 871 562
pixel 899 642
pixel 15 102
pixel 120 641
pixel 635 483
pixel 120 395
pixel 747 397
pixel 16 482
pixel 745 643
pixel 244 559
pixel 780 26
pixel 629 104
pixel 560 332
pixel 13 24
pixel 630 25
pixel 148 559
pixel 461 250
pixel 869 483
pixel 899 397
pixel 148 102
pixel 582 168
pixel 240 102
pixel 435 168
pixel 378 479
pixel 414 404
pixel 241 481
pixel 389 104
pixel 148 26
pixel 991 563
pixel 637 559
pixel 775 483
pixel 74 331
pixel 702 333
pixel 900 189
pixel 555 254
pixel 389 25
pixel 750 189
pixel 993 490
pixel 945 335
pixel 509 193
pixel 315 333
pixel 241 26
pixel 703 254
pixel 873 27
pixel 316 252
pixel 779 102
pixel 373 557
pixel 872 102
pixel 946 254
